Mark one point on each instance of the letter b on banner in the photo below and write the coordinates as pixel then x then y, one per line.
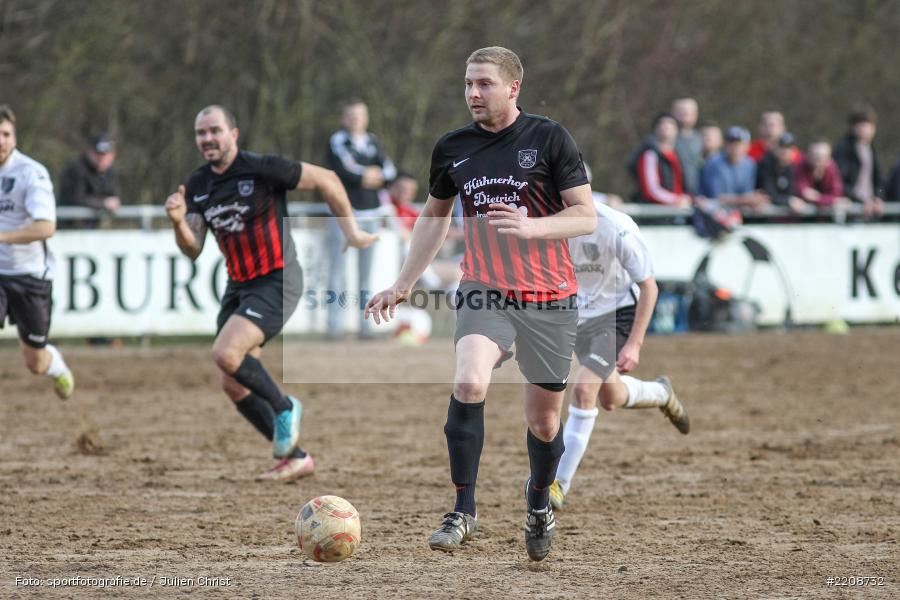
pixel 82 278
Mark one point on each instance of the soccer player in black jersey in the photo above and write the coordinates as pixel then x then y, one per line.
pixel 241 197
pixel 524 190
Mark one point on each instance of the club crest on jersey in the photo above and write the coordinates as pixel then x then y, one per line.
pixel 591 250
pixel 7 184
pixel 527 158
pixel 245 188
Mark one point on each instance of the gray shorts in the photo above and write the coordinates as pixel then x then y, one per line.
pixel 543 332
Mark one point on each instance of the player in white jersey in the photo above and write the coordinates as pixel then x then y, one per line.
pixel 616 297
pixel 27 220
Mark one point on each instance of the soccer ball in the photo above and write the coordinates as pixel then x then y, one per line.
pixel 327 529
pixel 413 326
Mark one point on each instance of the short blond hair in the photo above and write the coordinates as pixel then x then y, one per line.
pixel 506 60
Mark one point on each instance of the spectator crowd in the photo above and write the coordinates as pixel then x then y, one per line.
pixel 729 175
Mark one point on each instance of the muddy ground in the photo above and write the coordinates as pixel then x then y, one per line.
pixel 791 475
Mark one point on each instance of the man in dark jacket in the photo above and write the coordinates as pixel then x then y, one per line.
pixel 775 174
pixel 858 162
pixel 91 180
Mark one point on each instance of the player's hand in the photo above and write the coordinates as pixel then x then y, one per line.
pixel 629 357
pixel 511 220
pixel 384 303
pixel 360 239
pixel 175 206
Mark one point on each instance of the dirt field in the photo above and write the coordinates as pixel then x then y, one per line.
pixel 791 475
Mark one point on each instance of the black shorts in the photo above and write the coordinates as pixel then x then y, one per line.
pixel 544 333
pixel 27 301
pixel 600 339
pixel 267 301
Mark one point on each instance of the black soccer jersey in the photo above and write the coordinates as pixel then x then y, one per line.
pixel 245 207
pixel 526 166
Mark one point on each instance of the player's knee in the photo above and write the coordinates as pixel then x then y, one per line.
pixel 544 427
pixel 584 396
pixel 227 359
pixel 470 391
pixel 612 396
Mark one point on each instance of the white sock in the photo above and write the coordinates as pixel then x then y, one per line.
pixel 644 394
pixel 57 364
pixel 576 435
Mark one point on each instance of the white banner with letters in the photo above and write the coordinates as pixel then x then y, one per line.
pixel 111 283
pixel 823 272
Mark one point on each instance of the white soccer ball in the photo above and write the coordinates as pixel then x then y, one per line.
pixel 328 529
pixel 413 326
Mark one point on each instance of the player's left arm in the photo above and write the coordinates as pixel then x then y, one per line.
pixel 328 184
pixel 579 217
pixel 630 355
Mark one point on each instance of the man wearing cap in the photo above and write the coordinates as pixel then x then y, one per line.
pixel 730 176
pixel 775 174
pixel 91 180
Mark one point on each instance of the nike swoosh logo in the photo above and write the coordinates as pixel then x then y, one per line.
pixel 457 163
pixel 201 198
pixel 253 313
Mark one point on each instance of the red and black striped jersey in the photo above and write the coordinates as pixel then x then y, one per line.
pixel 245 207
pixel 526 165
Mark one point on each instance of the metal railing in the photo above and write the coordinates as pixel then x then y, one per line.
pixel 146 214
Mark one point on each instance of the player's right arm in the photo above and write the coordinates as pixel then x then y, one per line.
pixel 629 356
pixel 428 236
pixel 190 228
pixel 328 184
pixel 633 255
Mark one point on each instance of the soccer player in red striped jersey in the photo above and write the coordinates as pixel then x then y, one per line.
pixel 241 196
pixel 524 191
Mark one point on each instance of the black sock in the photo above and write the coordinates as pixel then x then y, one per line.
pixel 260 414
pixel 544 458
pixel 254 377
pixel 465 438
